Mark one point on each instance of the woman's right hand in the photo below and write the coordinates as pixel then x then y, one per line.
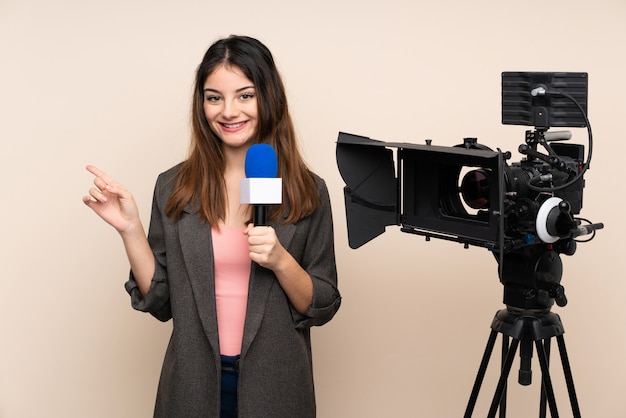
pixel 112 202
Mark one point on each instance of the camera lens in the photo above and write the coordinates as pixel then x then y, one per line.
pixel 475 189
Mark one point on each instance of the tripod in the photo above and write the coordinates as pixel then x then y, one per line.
pixel 525 327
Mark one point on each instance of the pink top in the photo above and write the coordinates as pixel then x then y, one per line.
pixel 232 273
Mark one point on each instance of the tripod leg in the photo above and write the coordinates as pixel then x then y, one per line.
pixel 506 369
pixel 547 382
pixel 481 374
pixel 525 376
pixel 505 351
pixel 568 376
pixel 543 401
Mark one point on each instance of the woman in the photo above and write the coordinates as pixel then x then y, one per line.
pixel 242 297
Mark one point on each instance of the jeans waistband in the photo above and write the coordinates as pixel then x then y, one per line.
pixel 230 363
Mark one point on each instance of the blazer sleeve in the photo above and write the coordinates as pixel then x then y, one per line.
pixel 319 262
pixel 157 300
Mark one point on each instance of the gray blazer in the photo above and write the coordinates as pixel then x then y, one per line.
pixel 276 374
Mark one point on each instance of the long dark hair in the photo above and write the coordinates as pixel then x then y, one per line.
pixel 200 180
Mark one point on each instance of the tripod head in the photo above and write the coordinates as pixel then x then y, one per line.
pixel 532 278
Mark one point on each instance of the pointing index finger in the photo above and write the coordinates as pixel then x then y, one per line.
pixel 99 173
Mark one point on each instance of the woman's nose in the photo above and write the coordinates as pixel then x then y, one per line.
pixel 231 109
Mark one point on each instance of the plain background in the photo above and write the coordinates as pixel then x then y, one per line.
pixel 109 83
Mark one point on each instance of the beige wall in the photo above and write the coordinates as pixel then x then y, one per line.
pixel 108 83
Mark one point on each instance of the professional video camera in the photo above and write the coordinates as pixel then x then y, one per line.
pixel 523 212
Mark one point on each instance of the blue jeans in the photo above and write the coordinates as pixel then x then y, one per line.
pixel 230 375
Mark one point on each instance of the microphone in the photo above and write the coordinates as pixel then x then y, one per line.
pixel 261 187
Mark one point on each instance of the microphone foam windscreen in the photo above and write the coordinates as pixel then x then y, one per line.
pixel 261 161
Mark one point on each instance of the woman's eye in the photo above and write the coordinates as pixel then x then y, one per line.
pixel 247 96
pixel 212 99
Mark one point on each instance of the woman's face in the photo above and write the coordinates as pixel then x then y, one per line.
pixel 230 106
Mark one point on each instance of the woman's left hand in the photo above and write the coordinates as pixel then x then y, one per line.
pixel 268 252
pixel 265 249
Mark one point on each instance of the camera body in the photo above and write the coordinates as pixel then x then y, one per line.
pixel 466 193
pixel 523 212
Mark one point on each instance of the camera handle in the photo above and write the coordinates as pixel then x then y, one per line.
pixel 540 137
pixel 554 160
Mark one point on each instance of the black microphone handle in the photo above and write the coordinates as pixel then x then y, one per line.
pixel 259 215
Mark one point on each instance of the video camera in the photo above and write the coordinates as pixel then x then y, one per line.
pixel 523 212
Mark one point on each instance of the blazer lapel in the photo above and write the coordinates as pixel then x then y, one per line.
pixel 197 248
pixel 261 282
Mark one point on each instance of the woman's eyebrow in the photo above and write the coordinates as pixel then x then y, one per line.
pixel 236 91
